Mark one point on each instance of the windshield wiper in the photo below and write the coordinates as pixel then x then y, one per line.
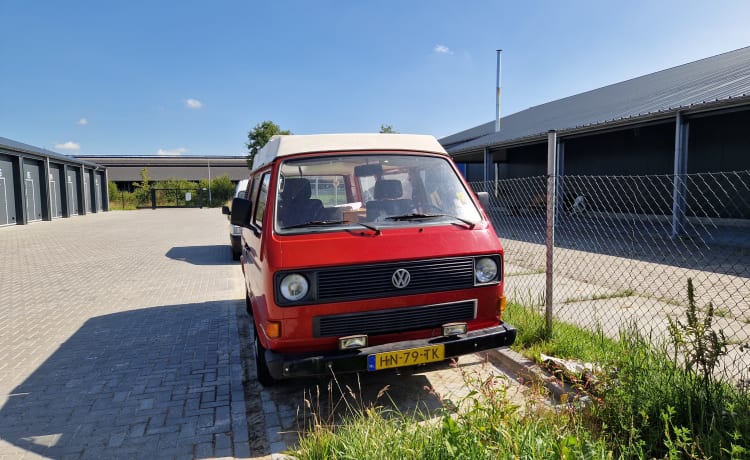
pixel 317 223
pixel 326 223
pixel 369 227
pixel 418 216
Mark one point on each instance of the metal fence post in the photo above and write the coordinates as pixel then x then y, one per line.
pixel 679 189
pixel 550 236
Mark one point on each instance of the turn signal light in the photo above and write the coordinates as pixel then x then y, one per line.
pixel 273 329
pixel 501 304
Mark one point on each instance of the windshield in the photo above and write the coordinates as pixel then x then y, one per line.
pixel 371 190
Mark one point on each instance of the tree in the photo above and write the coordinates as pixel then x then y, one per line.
pixel 143 188
pixel 222 188
pixel 387 129
pixel 259 136
pixel 113 192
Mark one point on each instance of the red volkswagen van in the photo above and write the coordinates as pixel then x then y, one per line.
pixel 364 252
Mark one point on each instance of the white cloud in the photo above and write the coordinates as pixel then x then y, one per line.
pixel 70 145
pixel 442 49
pixel 83 122
pixel 193 104
pixel 173 152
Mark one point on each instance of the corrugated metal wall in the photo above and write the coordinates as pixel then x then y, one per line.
pixel 37 185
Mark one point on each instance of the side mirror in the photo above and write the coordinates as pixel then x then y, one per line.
pixel 225 210
pixel 241 210
pixel 484 200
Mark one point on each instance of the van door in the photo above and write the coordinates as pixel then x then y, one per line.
pixel 252 237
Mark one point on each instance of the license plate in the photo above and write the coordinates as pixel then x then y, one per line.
pixel 408 357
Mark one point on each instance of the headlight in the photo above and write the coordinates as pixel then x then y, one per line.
pixel 294 287
pixel 485 270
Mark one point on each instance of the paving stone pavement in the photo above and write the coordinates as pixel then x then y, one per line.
pixel 119 338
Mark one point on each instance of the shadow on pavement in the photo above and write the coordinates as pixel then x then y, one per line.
pixel 155 382
pixel 721 250
pixel 277 415
pixel 217 254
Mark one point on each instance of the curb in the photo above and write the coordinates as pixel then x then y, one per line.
pixel 526 369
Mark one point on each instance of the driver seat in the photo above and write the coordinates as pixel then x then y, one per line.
pixel 295 206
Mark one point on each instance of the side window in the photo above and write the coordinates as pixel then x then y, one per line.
pixel 260 206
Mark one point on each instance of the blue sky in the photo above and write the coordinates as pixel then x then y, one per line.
pixel 192 77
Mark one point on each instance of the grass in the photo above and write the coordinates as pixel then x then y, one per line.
pixel 613 295
pixel 482 425
pixel 649 403
pixel 537 271
pixel 723 312
pixel 645 403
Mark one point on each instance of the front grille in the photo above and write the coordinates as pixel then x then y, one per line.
pixel 374 281
pixel 393 320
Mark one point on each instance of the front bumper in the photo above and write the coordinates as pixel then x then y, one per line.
pixel 290 365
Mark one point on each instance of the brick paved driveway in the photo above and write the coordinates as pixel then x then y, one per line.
pixel 118 338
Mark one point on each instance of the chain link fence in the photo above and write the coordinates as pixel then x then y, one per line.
pixel 624 248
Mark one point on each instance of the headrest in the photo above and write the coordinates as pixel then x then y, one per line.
pixel 296 188
pixel 388 189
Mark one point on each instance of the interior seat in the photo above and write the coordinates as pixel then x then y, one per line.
pixel 388 201
pixel 295 206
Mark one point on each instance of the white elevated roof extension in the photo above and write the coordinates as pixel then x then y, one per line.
pixel 280 145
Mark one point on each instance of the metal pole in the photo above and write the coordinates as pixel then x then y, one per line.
pixel 498 91
pixel 679 190
pixel 488 165
pixel 48 198
pixel 209 183
pixel 82 191
pixel 550 239
pixel 106 195
pixel 560 181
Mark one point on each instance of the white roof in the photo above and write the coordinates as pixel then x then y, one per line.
pixel 280 145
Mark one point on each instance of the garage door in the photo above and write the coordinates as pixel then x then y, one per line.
pixel 55 186
pixel 32 186
pixel 7 195
pixel 87 189
pixel 99 185
pixel 73 179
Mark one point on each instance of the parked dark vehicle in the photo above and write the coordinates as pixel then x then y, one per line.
pixel 235 231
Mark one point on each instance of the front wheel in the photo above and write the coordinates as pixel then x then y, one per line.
pixel 264 377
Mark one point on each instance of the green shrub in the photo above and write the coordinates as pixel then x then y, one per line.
pixel 653 400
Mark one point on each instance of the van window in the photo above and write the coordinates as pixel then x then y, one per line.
pixel 260 207
pixel 330 190
pixel 326 193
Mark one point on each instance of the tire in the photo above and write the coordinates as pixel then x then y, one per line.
pixel 264 377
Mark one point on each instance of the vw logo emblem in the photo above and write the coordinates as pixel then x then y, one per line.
pixel 401 278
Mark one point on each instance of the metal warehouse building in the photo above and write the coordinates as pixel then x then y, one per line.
pixel 124 170
pixel 38 184
pixel 689 119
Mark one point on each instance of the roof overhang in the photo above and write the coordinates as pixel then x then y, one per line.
pixel 477 146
